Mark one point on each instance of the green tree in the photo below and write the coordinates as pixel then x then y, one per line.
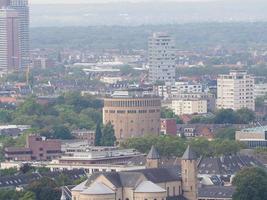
pixel 45 189
pixel 108 136
pixel 245 116
pixel 5 116
pixel 9 194
pixel 98 135
pixel 58 132
pixel 225 116
pixel 28 196
pixel 250 183
pixel 226 133
pixel 168 113
pixel 63 180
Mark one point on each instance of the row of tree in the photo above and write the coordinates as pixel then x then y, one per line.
pixel 170 146
pixel 227 116
pixel 56 120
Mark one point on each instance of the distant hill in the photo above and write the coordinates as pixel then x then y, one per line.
pixel 188 36
pixel 154 12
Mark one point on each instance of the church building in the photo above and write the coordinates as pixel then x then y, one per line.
pixel 152 183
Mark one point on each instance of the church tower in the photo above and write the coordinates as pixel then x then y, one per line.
pixel 189 174
pixel 153 158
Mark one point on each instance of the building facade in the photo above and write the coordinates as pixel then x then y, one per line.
pixel 260 90
pixel 10 58
pixel 86 135
pixel 152 183
pixel 168 126
pixel 37 148
pixel 22 7
pixel 235 91
pixel 182 107
pixel 168 91
pixel 161 58
pixel 133 114
pixel 253 137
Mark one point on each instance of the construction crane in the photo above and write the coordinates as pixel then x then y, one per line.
pixel 28 74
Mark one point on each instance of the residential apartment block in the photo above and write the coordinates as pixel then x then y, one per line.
pixel 190 106
pixel 235 91
pixel 161 58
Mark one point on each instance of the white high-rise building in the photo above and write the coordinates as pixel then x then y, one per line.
pixel 22 7
pixel 161 58
pixel 235 91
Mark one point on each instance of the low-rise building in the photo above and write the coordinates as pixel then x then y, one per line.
pixel 168 126
pixel 98 155
pixel 181 107
pixel 37 148
pixel 87 135
pixel 253 137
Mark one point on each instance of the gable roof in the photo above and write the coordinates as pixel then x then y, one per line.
pixel 213 192
pixel 133 178
pixel 153 154
pixel 226 165
pixel 98 188
pixel 189 154
pixel 148 187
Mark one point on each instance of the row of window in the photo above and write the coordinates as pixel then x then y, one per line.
pixel 132 111
pixel 137 103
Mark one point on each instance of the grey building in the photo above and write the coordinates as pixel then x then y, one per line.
pixel 161 58
pixel 22 7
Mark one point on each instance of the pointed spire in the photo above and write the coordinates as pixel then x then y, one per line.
pixel 153 154
pixel 189 154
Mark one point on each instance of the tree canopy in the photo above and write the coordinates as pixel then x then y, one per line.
pixel 169 146
pixel 227 116
pixel 251 183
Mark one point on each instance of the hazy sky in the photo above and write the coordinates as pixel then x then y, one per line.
pixel 102 1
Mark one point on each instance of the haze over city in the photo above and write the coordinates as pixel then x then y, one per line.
pixel 133 100
pixel 132 13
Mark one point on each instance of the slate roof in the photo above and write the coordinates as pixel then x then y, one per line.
pixel 226 165
pixel 153 154
pixel 148 187
pixel 25 179
pixel 98 188
pixel 189 154
pixel 216 192
pixel 133 178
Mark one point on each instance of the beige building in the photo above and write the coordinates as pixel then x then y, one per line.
pixel 153 183
pixel 132 113
pixel 260 90
pixel 253 137
pixel 235 91
pixel 194 106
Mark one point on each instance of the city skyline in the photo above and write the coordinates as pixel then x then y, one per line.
pixel 108 1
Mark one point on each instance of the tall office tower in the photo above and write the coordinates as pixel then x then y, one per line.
pixel 9 40
pixel 22 7
pixel 161 59
pixel 235 91
pixel 4 3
